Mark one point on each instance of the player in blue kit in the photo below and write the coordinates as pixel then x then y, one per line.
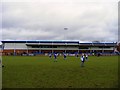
pixel 64 56
pixel 83 60
pixel 50 55
pixel 86 57
pixel 55 57
pixel 77 55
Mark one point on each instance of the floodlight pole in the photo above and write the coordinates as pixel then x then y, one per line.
pixel 52 47
pixel 65 29
pixel 39 48
pixel 27 48
pixel 14 49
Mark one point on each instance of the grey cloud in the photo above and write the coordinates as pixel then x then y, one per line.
pixel 46 21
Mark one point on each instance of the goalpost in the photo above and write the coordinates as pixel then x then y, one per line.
pixel 0 70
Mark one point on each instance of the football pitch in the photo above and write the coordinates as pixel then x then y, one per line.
pixel 43 72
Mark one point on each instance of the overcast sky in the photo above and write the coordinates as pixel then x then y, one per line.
pixel 87 20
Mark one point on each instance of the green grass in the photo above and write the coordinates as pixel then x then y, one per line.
pixel 43 72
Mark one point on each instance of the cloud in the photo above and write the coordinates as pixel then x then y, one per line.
pixel 45 20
